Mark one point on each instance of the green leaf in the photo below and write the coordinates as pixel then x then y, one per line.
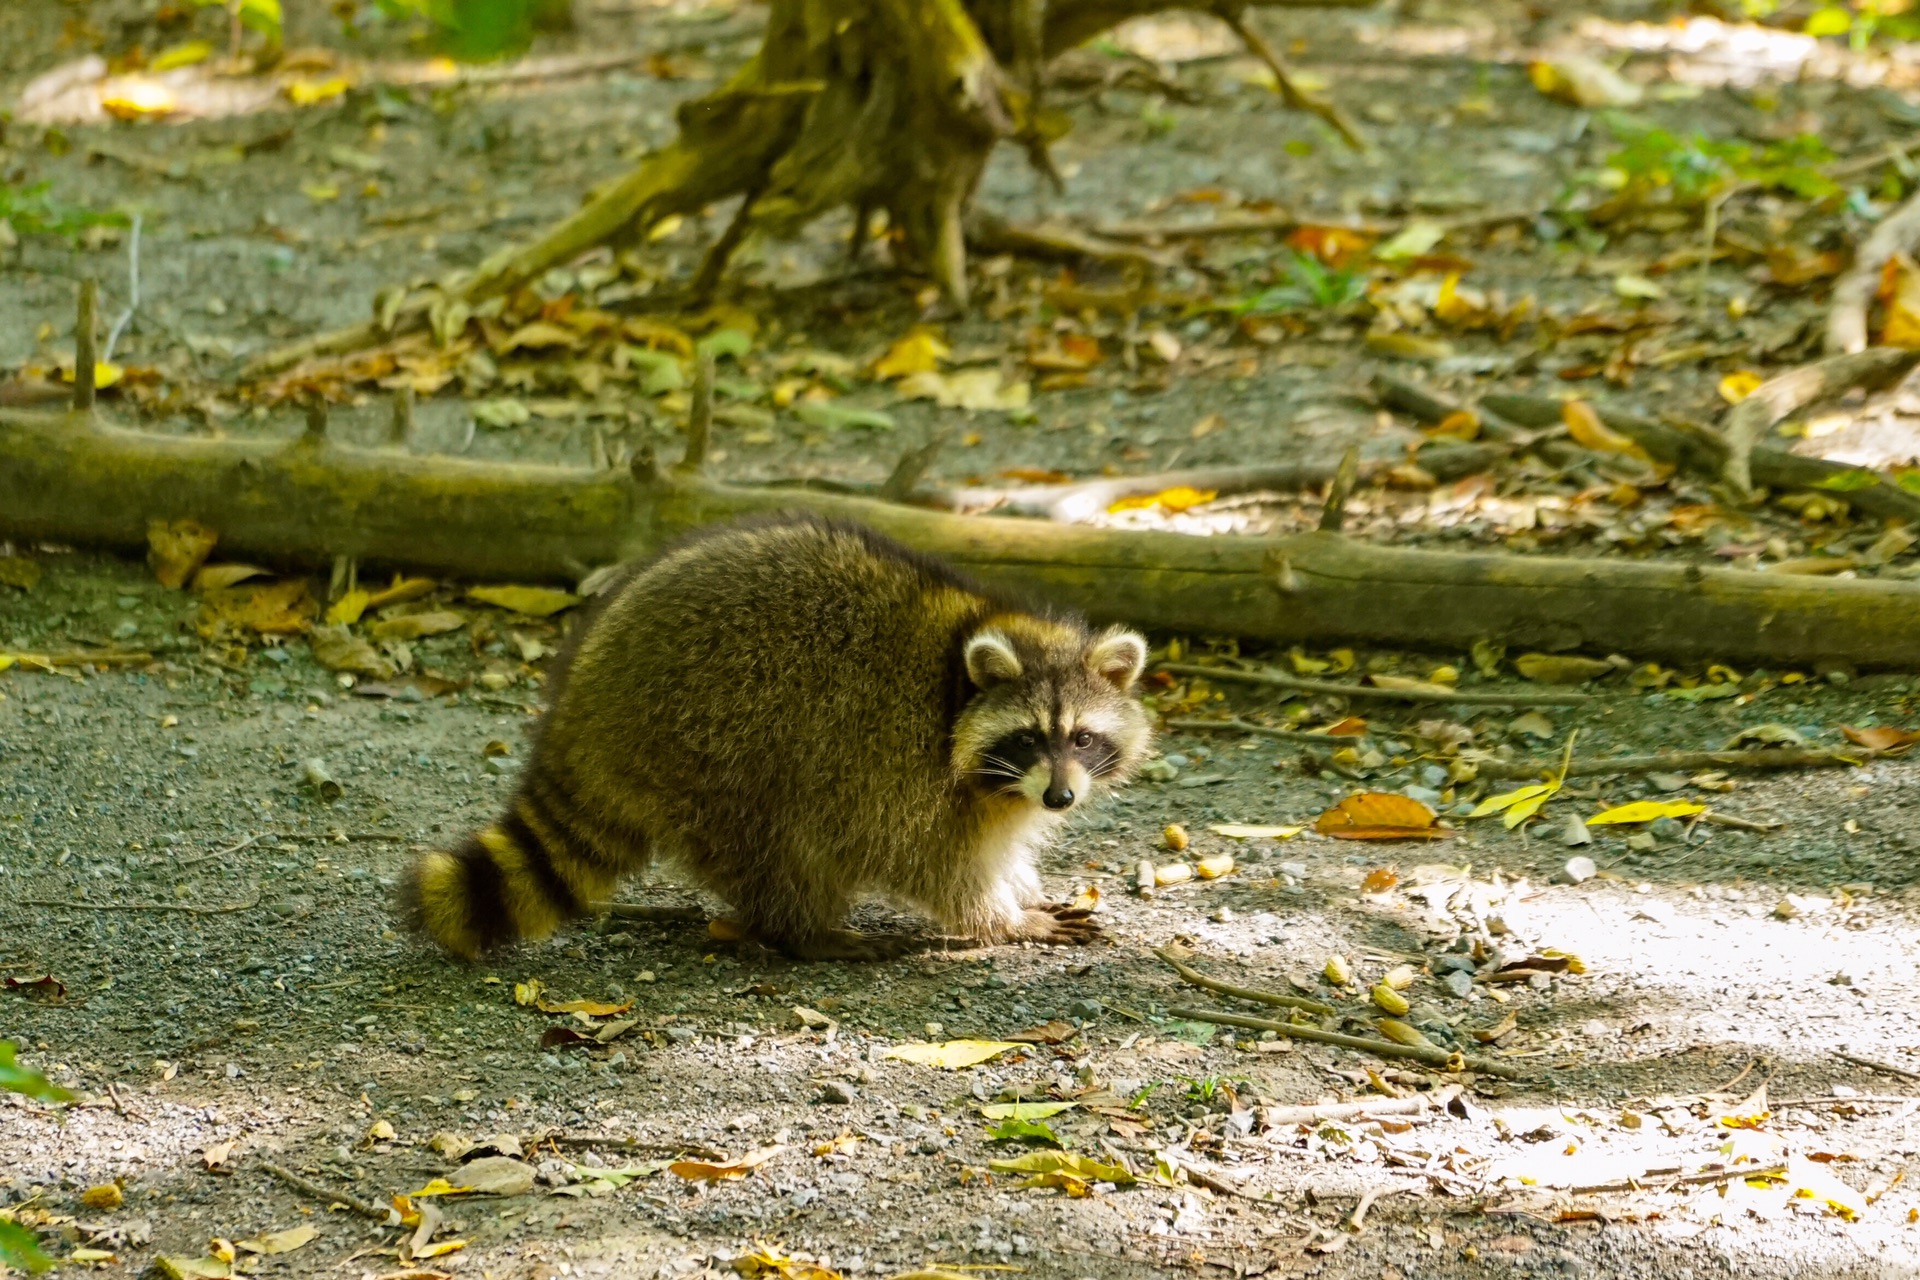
pixel 18 1079
pixel 1851 480
pixel 1023 1131
pixel 1705 692
pixel 1050 1162
pixel 1908 479
pixel 1830 21
pixel 1200 1033
pixel 1025 1110
pixel 20 1248
pixel 834 417
pixel 726 342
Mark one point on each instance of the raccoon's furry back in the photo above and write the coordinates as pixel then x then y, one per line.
pixel 769 704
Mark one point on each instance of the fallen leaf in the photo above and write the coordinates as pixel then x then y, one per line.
pixel 20 572
pixel 921 351
pixel 1500 1029
pixel 1023 1131
pixel 1584 82
pixel 106 1196
pixel 309 93
pixel 214 577
pixel 1519 804
pixel 280 1241
pixel 1380 815
pixel 1403 1033
pixel 535 602
pixel 439 1248
pixel 1586 428
pixel 1406 684
pixel 1084 1168
pixel 337 649
pixel 214 1156
pixel 176 549
pixel 1024 1110
pixel 1740 384
pixel 1645 811
pixel 1417 238
pixel 726 1171
pixel 412 626
pixel 1333 245
pixel 952 1055
pixel 1900 296
pixel 1251 831
pixel 176 1268
pixel 489 1176
pixel 1379 880
pixel 541 335
pixel 966 389
pixel 1181 497
pixel 132 97
pixel 1213 866
pixel 1054 1032
pixel 591 1008
pixel 1881 737
pixel 1560 668
pixel 835 417
pixel 272 609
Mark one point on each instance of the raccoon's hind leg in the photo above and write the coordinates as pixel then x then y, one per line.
pixel 780 907
pixel 538 865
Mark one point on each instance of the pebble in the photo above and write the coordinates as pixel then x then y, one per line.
pixel 1459 982
pixel 1580 870
pixel 1453 963
pixel 1425 795
pixel 1085 1009
pixel 1575 833
pixel 1666 829
pixel 1434 776
pixel 836 1093
pixel 1298 870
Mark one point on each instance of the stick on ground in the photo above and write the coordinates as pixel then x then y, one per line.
pixel 1298 684
pixel 1677 762
pixel 1433 1057
pixel 1237 725
pixel 1190 974
pixel 329 1195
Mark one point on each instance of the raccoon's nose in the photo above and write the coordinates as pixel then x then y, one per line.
pixel 1058 798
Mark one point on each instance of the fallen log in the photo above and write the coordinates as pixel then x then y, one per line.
pixel 71 477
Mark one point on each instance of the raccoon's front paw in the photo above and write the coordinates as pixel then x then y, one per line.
pixel 1058 925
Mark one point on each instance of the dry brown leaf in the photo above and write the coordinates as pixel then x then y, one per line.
pixel 412 626
pixel 705 1171
pixel 1380 879
pixel 1380 815
pixel 175 549
pixel 214 577
pixel 1560 668
pixel 274 609
pixel 1881 737
pixel 337 649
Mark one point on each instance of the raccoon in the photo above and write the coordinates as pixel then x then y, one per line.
pixel 800 712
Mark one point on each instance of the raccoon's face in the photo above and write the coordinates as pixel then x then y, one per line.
pixel 1055 716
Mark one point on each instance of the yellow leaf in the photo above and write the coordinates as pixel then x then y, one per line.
pixel 1251 831
pixel 1213 866
pixel 172 1268
pixel 1380 815
pixel 1179 498
pixel 1586 428
pixel 591 1008
pixel 217 577
pixel 131 97
pixel 1560 668
pixel 438 1187
pixel 104 375
pixel 186 54
pixel 280 1241
pixel 348 608
pixel 381 1131
pixel 6 660
pixel 1025 1110
pixel 1078 1166
pixel 1406 684
pixel 412 626
pixel 535 602
pixel 539 336
pixel 1519 813
pixel 665 227
pixel 439 1248
pixel 921 351
pixel 952 1055
pixel 727 1171
pixel 1900 294
pixel 308 93
pixel 525 993
pixel 1403 1033
pixel 320 192
pixel 1737 386
pixel 1810 1181
pixel 966 389
pixel 1507 799
pixel 105 1196
pixel 1646 811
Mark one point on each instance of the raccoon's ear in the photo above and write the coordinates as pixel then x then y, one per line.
pixel 1118 656
pixel 991 659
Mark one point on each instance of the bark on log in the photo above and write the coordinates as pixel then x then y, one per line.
pixel 306 501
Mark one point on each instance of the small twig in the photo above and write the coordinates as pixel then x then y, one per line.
pixel 657 914
pixel 216 853
pixel 1413 1104
pixel 1358 1221
pixel 1237 725
pixel 1871 1065
pixel 329 1195
pixel 1432 1056
pixel 85 357
pixel 1658 1182
pixel 1678 761
pixel 714 265
pixel 81 658
pixel 1199 979
pixel 1334 513
pixel 995 234
pixel 1083 499
pixel 133 292
pixel 584 1141
pixel 912 466
pixel 1290 93
pixel 699 415
pixel 1836 1100
pixel 1298 684
pixel 1716 819
pixel 184 908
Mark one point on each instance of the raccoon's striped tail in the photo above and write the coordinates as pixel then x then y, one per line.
pixel 517 878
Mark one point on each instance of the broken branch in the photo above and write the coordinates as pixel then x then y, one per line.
pixel 1192 975
pixel 328 1195
pixel 1676 762
pixel 1787 393
pixel 1237 725
pixel 1433 1056
pixel 1279 680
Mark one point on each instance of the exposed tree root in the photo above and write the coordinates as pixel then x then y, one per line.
pixel 869 104
pixel 1853 293
pixel 309 500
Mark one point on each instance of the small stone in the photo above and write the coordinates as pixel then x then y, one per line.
pixel 1575 833
pixel 1222 915
pixel 499 766
pixel 1298 870
pixel 1595 1029
pixel 1434 776
pixel 1458 982
pixel 1641 841
pixel 1666 829
pixel 1085 1009
pixel 1540 982
pixel 1425 795
pixel 1159 771
pixel 1177 760
pixel 836 1093
pixel 1579 870
pixel 1456 962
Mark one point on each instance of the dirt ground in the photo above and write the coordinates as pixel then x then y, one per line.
pixel 231 986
